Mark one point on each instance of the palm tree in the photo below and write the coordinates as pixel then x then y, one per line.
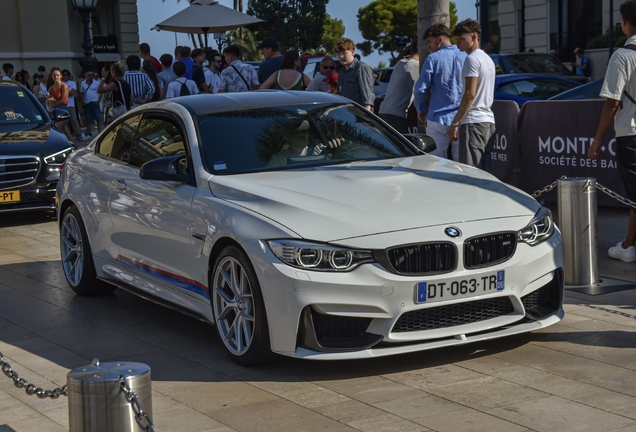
pixel 248 43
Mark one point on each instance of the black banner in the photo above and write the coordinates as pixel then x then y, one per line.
pixel 554 137
pixel 504 143
pixel 105 44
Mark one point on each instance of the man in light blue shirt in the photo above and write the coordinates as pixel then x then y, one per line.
pixel 438 91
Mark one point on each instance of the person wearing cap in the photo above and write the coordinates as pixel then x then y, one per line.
pixel 332 82
pixel 399 93
pixel 582 65
pixel 355 80
pixel 273 59
pixel 319 82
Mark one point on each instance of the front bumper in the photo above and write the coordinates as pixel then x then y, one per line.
pixel 33 197
pixel 370 312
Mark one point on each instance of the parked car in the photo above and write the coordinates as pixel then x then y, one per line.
pixel 382 76
pixel 524 87
pixel 301 224
pixel 254 64
pixel 32 150
pixel 585 91
pixel 536 63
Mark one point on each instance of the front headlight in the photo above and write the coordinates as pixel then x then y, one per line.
pixel 316 256
pixel 57 159
pixel 539 229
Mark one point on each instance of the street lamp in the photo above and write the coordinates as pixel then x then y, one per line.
pixel 219 37
pixel 85 7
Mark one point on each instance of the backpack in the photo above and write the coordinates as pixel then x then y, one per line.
pixel 184 89
pixel 588 70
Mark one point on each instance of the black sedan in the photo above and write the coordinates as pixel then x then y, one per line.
pixel 32 150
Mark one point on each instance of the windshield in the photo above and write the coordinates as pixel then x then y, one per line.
pixel 282 137
pixel 520 63
pixel 16 107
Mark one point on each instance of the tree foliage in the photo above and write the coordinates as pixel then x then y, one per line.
pixel 386 24
pixel 293 23
pixel 333 32
pixel 246 40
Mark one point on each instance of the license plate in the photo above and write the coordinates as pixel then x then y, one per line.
pixel 9 196
pixel 429 292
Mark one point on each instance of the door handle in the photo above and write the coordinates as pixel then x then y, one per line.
pixel 120 184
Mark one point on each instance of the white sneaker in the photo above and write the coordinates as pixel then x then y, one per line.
pixel 85 137
pixel 620 253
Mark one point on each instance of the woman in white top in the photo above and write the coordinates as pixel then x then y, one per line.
pixel 288 77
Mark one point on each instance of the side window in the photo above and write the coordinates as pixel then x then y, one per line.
pixel 310 70
pixel 157 137
pixel 118 142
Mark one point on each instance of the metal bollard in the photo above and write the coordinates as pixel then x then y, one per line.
pixel 577 221
pixel 96 402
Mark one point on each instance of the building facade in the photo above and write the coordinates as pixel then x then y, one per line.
pixel 545 25
pixel 51 33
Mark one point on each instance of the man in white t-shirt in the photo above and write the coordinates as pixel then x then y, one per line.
pixel 90 98
pixel 212 73
pixel 474 122
pixel 619 92
pixel 174 88
pixel 319 81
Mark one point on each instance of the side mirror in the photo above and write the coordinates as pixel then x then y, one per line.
pixel 422 141
pixel 170 168
pixel 60 114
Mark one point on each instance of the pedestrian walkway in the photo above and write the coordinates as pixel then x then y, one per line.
pixel 578 375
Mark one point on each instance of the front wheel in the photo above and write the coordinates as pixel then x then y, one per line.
pixel 77 259
pixel 239 310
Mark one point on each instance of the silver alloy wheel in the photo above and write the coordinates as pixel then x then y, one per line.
pixel 233 305
pixel 72 249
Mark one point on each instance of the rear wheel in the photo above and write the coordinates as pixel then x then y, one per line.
pixel 239 310
pixel 77 259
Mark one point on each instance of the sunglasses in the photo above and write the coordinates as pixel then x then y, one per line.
pixel 328 67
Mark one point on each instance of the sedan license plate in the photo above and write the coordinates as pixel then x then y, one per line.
pixel 10 196
pixel 429 292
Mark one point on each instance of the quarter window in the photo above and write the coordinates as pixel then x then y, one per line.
pixel 156 138
pixel 117 143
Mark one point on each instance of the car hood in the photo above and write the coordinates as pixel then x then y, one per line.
pixel 36 140
pixel 359 199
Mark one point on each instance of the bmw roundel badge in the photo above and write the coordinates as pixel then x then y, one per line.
pixel 452 232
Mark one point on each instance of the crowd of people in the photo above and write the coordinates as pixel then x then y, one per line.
pixel 453 92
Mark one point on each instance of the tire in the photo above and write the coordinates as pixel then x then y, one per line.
pixel 77 258
pixel 237 302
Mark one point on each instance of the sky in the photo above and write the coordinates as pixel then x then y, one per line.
pixel 152 12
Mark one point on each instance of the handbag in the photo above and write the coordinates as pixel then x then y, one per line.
pixel 119 108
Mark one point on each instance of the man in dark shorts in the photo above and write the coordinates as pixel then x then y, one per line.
pixel 619 91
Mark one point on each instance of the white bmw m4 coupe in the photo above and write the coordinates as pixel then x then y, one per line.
pixel 299 223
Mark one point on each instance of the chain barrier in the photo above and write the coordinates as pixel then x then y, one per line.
pixel 131 398
pixel 30 388
pixel 616 196
pixel 604 189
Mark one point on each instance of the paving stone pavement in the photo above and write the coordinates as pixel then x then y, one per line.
pixel 579 375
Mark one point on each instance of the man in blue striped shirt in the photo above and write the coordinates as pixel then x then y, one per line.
pixel 141 86
pixel 438 92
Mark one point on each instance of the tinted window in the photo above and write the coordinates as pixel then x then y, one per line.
pixel 520 63
pixel 294 136
pixel 156 137
pixel 537 88
pixel 16 107
pixel 117 143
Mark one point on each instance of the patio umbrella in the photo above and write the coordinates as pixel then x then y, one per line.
pixel 204 17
